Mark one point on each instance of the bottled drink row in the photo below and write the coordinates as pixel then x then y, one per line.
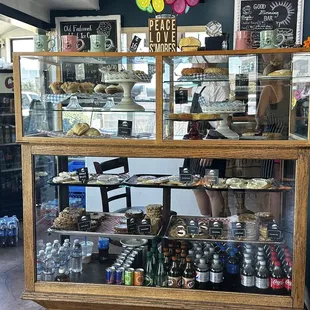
pixel 9 230
pixel 263 269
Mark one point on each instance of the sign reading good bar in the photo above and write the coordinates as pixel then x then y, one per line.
pixel 162 35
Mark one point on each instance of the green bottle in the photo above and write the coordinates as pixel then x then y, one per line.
pixel 161 274
pixel 149 272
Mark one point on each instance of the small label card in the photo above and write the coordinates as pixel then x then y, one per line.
pixel 131 225
pixel 273 232
pixel 83 175
pixel 185 175
pixel 239 229
pixel 216 229
pixel 192 227
pixel 181 96
pixel 124 128
pixel 84 223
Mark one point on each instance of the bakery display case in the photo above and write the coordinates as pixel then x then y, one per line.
pixel 167 222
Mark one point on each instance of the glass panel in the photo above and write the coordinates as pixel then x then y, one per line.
pixel 234 214
pixel 114 95
pixel 248 97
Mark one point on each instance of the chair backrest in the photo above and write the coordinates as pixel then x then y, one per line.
pixel 120 162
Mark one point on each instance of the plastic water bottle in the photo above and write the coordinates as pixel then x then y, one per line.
pixel 40 266
pixel 49 270
pixel 3 233
pixel 56 258
pixel 76 257
pixel 11 233
pixel 40 245
pixel 48 250
pixel 63 257
pixel 14 217
pixel 56 245
pixel 68 257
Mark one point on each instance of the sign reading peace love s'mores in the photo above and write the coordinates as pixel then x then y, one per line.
pixel 162 35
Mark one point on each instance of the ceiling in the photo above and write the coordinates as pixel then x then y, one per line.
pixel 69 4
pixel 6 27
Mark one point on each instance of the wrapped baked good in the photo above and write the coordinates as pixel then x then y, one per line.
pixel 71 87
pixel 189 44
pixel 216 71
pixel 100 88
pixel 135 213
pixel 80 128
pixel 92 132
pixel 154 210
pixel 192 71
pixel 56 88
pixel 87 87
pixel 251 226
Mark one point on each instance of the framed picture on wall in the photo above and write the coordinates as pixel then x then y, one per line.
pixel 258 15
pixel 84 26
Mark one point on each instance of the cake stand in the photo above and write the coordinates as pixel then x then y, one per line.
pixel 127 103
pixel 224 129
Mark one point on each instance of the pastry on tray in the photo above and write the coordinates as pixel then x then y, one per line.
pixel 100 88
pixel 112 89
pixel 67 218
pixel 216 71
pixel 87 87
pixel 70 87
pixel 135 213
pixel 121 228
pixel 92 132
pixel 56 88
pixel 144 178
pixel 80 128
pixel 192 71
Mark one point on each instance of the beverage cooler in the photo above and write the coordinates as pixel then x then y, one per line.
pixel 196 198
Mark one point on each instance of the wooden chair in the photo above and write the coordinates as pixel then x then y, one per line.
pixel 103 167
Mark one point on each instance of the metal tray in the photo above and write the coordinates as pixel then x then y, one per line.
pixel 207 220
pixel 106 229
pixel 132 181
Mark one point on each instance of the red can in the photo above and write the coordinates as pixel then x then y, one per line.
pixel 138 277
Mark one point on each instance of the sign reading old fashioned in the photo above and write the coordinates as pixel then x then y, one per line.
pixel 162 35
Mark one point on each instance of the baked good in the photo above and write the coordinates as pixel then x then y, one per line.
pixel 272 135
pixel 108 179
pixel 87 87
pixel 216 71
pixel 70 87
pixel 92 132
pixel 112 89
pixel 71 132
pixel 80 128
pixel 191 71
pixel 191 42
pixel 100 88
pixel 67 219
pixel 144 178
pixel 119 89
pixel 282 72
pixel 56 87
pixel 126 76
pixel 121 228
pixel 204 116
pixel 153 210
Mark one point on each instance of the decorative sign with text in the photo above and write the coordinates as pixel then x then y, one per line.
pixel 162 35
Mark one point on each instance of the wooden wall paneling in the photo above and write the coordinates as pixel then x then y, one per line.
pixel 300 229
pixel 28 217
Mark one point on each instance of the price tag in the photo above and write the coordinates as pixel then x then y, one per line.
pixel 238 229
pixel 185 175
pixel 83 175
pixel 145 228
pixel 134 44
pixel 131 225
pixel 273 232
pixel 84 223
pixel 192 227
pixel 211 176
pixel 216 230
pixel 181 96
pixel 124 128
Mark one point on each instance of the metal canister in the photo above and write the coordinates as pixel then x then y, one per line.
pixel 129 272
pixel 138 277
pixel 119 276
pixel 110 275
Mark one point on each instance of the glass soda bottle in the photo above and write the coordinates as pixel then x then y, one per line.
pixel 277 279
pixel 247 276
pixel 216 275
pixel 149 272
pixel 288 280
pixel 175 274
pixel 262 278
pixel 161 275
pixel 189 275
pixel 202 275
pixel 62 276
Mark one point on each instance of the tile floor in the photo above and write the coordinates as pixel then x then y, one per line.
pixel 12 280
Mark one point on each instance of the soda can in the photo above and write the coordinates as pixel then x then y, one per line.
pixel 110 275
pixel 129 276
pixel 116 265
pixel 126 266
pixel 122 255
pixel 129 248
pixel 138 277
pixel 119 261
pixel 126 252
pixel 139 261
pixel 119 276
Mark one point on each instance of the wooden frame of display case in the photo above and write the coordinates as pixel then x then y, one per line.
pixel 54 295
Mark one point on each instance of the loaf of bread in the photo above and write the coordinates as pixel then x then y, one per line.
pixel 80 128
pixel 92 132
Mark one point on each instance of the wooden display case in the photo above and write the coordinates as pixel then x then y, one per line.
pixel 54 295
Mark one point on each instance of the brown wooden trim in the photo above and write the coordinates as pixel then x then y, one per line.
pixel 17 98
pixel 161 152
pixel 300 229
pixel 139 296
pixel 28 217
pixel 159 99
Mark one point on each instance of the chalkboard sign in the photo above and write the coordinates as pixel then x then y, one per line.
pixel 83 27
pixel 258 15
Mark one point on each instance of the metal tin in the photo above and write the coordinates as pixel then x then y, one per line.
pixel 138 277
pixel 129 272
pixel 119 276
pixel 110 275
